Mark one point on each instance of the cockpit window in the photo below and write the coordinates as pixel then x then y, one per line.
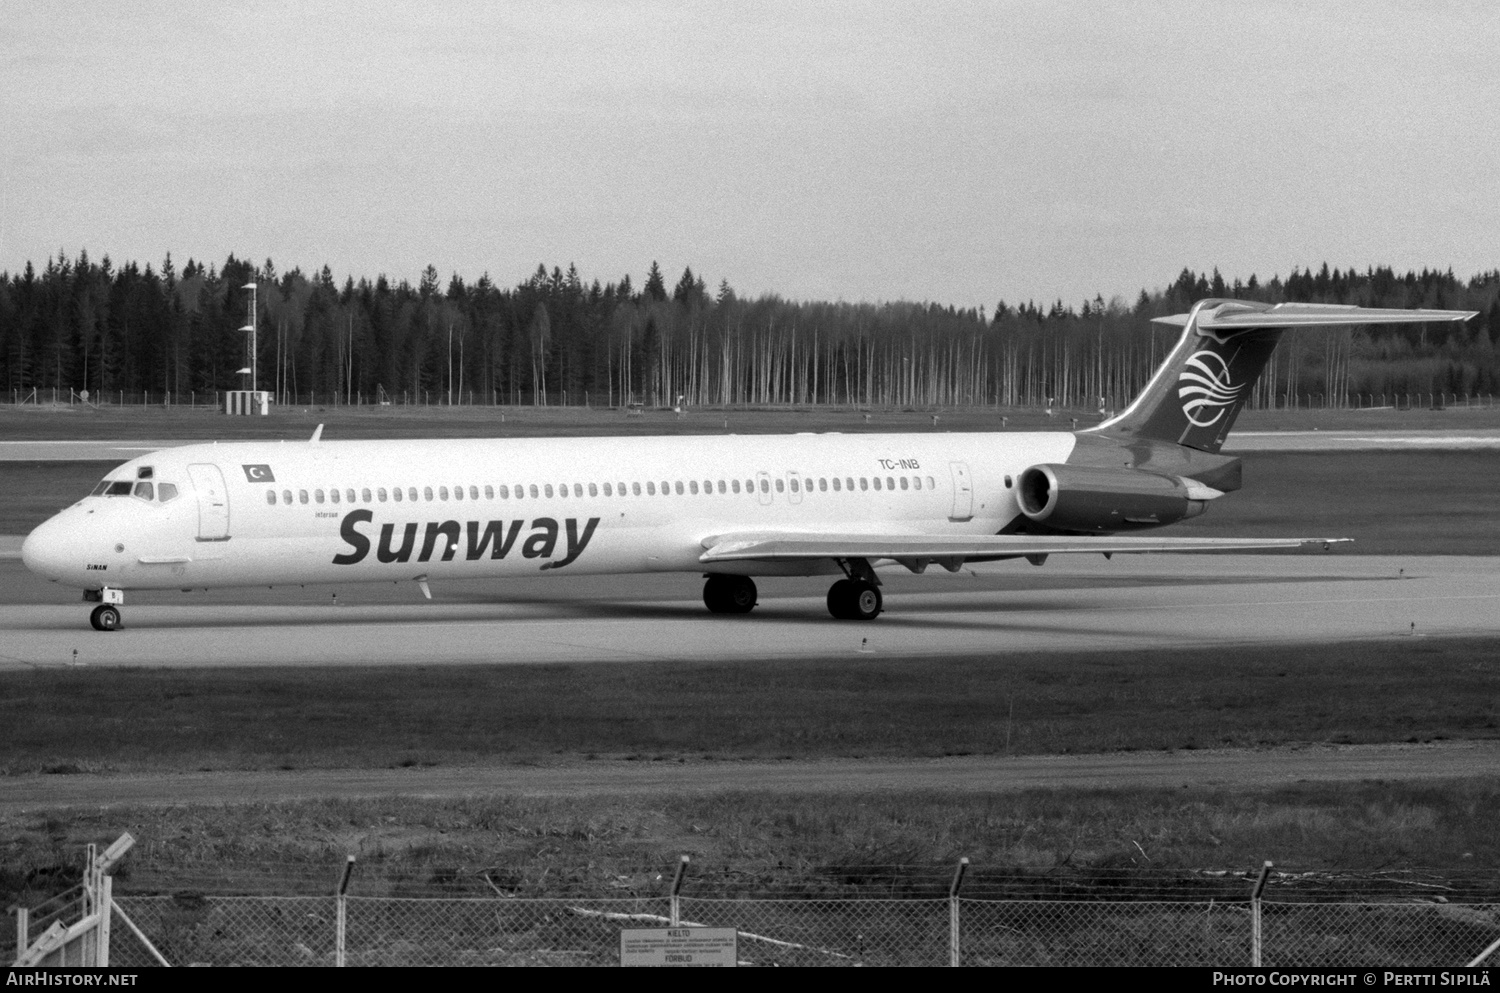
pixel 99 490
pixel 144 491
pixel 120 488
pixel 144 472
pixel 166 492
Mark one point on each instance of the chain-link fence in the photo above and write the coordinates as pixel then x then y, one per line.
pixel 832 915
pixel 293 931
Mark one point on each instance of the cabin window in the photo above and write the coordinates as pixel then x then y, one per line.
pixel 167 492
pixel 916 481
pixel 864 483
pixel 318 495
pixel 765 486
pixel 890 483
pixel 286 496
pixel 380 494
pixel 442 493
pixel 333 495
pixel 930 484
pixel 301 496
pixel 1009 482
pixel 722 487
pixel 458 492
pixel 795 488
pixel 822 485
pixel 708 486
pixel 734 484
pixel 562 490
pixel 547 490
pixel 364 495
pixel 650 488
pixel 396 494
pixel 635 488
pixel 692 487
pixel 535 492
pixel 836 485
pixel 877 482
pixel 426 493
pixel 666 488
pixel 780 485
pixel 271 497
pixel 903 482
pixel 608 490
pixel 411 494
pixel 504 492
pixel 489 493
pixel 474 492
pixel 594 489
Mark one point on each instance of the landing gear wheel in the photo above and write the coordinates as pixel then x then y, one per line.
pixel 854 600
pixel 105 618
pixel 729 594
pixel 838 599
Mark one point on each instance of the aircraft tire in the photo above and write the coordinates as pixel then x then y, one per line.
pixel 865 601
pixel 105 618
pixel 839 599
pixel 729 594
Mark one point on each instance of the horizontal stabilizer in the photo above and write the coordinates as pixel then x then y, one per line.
pixel 794 547
pixel 1239 315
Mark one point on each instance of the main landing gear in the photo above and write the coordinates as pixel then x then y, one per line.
pixel 106 616
pixel 858 597
pixel 854 600
pixel 729 594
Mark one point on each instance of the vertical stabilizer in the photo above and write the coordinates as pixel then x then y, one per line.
pixel 1194 398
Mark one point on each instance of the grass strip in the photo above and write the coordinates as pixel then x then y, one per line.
pixel 1396 690
pixel 742 842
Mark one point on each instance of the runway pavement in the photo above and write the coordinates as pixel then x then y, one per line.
pixel 1079 603
pixel 1240 441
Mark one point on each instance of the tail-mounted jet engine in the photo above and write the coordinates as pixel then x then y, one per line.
pixel 1107 500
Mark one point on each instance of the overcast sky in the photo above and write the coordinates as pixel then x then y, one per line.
pixel 954 152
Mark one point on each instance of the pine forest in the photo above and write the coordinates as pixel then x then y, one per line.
pixel 157 334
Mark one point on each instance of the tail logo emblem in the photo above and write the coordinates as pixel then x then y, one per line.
pixel 1205 388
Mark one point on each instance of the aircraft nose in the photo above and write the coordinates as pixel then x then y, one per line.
pixel 49 549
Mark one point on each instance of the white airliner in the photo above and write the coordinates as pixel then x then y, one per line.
pixel 269 513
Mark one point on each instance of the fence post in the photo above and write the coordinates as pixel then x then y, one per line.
pixel 1260 885
pixel 340 904
pixel 675 913
pixel 106 908
pixel 954 950
pixel 23 926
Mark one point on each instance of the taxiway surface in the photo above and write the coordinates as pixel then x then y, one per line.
pixel 1077 603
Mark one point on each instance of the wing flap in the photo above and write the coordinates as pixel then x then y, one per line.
pixel 797 546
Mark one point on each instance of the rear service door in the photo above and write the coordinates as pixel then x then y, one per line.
pixel 213 502
pixel 963 492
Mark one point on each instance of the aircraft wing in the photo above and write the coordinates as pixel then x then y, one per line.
pixel 1239 315
pixel 951 550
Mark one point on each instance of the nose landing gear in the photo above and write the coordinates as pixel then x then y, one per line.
pixel 106 616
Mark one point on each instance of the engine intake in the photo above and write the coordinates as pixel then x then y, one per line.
pixel 1106 500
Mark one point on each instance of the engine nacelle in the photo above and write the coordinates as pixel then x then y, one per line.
pixel 1089 498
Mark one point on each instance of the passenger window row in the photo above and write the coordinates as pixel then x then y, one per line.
pixel 535 491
